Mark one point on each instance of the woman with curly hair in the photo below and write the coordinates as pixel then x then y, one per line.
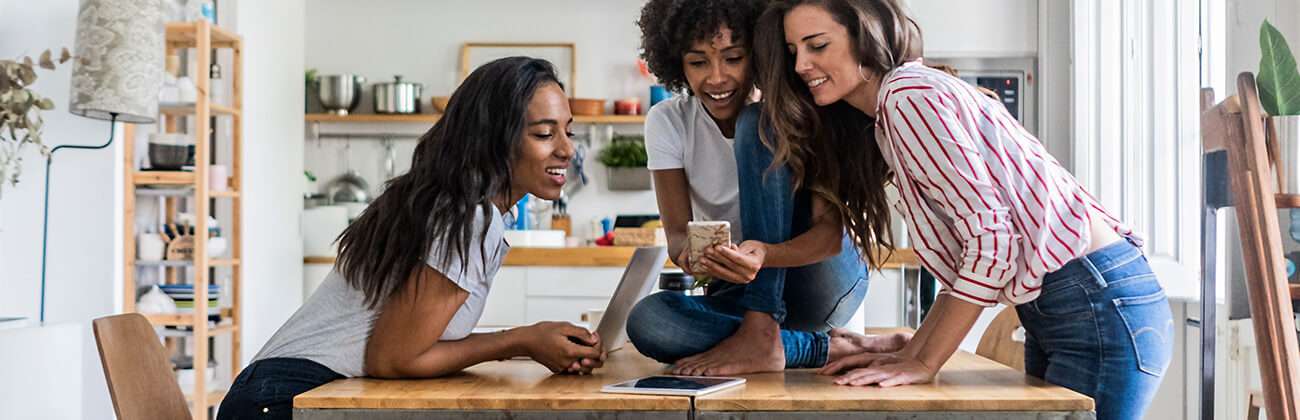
pixel 795 276
pixel 993 216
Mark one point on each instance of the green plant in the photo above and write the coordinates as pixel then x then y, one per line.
pixel 311 75
pixel 1279 81
pixel 624 151
pixel 20 111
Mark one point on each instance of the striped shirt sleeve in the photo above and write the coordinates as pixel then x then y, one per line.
pixel 943 162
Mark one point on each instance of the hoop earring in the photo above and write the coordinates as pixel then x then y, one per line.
pixel 863 75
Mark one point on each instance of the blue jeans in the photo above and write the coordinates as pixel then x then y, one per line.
pixel 1101 327
pixel 265 389
pixel 669 326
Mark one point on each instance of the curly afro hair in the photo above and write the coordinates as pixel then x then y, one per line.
pixel 669 27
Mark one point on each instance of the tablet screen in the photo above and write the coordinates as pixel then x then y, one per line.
pixel 675 382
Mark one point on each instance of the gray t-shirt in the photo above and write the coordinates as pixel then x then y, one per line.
pixel 680 134
pixel 332 327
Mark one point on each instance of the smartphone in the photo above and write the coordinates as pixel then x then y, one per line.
pixel 701 236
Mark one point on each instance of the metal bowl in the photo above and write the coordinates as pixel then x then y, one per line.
pixel 170 156
pixel 339 93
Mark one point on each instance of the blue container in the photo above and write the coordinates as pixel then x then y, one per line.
pixel 521 213
pixel 658 93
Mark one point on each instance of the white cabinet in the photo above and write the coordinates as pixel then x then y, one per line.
pixel 506 302
pixel 312 276
pixel 525 295
pixel 977 28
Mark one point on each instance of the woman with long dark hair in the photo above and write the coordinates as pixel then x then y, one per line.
pixel 992 215
pixel 415 268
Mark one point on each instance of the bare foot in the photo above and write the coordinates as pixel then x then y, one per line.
pixel 846 343
pixel 755 347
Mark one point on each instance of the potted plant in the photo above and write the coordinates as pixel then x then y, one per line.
pixel 1279 94
pixel 625 160
pixel 20 112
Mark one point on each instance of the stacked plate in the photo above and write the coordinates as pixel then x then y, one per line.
pixel 183 294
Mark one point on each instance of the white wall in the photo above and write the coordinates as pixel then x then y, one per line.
pixel 84 251
pixel 1243 20
pixel 273 91
pixel 421 41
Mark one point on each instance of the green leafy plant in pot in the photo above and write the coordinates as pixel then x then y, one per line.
pixel 1279 94
pixel 625 161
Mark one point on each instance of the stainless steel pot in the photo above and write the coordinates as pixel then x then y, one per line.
pixel 397 97
pixel 339 93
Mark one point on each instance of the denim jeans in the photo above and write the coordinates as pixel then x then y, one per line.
pixel 265 389
pixel 807 301
pixel 1102 327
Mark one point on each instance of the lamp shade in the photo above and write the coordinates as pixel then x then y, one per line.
pixel 119 60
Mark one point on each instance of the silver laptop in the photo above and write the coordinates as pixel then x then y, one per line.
pixel 638 281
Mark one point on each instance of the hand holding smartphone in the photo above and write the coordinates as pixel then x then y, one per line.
pixel 701 236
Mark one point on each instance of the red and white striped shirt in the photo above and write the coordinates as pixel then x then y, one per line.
pixel 989 211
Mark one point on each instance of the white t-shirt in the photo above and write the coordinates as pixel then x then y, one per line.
pixel 680 134
pixel 332 327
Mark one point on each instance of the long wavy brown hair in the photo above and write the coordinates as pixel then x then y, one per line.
pixel 831 150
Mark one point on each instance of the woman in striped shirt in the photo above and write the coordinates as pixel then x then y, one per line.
pixel 992 215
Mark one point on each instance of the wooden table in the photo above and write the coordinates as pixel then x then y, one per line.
pixel 515 389
pixel 968 387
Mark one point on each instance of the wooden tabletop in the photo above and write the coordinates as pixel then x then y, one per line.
pixel 609 256
pixel 966 383
pixel 506 385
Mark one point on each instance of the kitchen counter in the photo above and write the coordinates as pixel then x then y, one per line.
pixel 607 256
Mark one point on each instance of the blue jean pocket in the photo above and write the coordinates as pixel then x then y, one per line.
pixel 1150 327
pixel 1070 300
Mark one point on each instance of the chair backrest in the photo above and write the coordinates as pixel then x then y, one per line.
pixel 139 376
pixel 1237 124
pixel 999 341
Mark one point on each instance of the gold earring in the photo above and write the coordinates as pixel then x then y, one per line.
pixel 863 75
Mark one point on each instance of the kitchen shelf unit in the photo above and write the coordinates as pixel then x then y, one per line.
pixel 172 187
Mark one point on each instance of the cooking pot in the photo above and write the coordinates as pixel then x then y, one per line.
pixel 397 97
pixel 339 93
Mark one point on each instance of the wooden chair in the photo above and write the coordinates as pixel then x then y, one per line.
pixel 1237 125
pixel 139 376
pixel 998 342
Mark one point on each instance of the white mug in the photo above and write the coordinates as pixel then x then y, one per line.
pixel 593 316
pixel 218 178
pixel 149 247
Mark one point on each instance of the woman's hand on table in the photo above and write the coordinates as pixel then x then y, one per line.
pixel 888 371
pixel 735 263
pixel 563 347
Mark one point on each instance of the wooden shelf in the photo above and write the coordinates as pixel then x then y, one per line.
pixel 1287 201
pixel 186 34
pixel 186 263
pixel 181 192
pixel 432 118
pixel 180 319
pixel 195 38
pixel 189 109
pixel 163 177
pixel 214 397
pixel 223 263
pixel 375 118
